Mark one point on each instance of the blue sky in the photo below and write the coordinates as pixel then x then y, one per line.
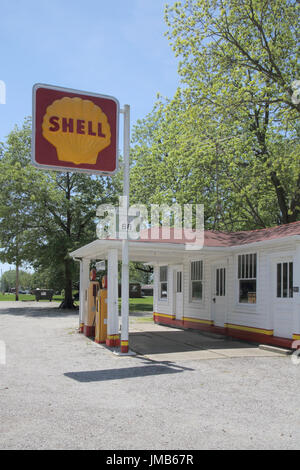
pixel 115 48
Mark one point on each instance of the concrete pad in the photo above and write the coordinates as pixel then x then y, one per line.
pixel 153 343
pixel 148 326
pixel 119 353
pixel 246 352
pixel 269 347
pixel 190 337
pixel 186 356
pixel 161 343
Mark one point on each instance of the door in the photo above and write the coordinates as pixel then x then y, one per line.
pixel 219 295
pixel 282 295
pixel 178 281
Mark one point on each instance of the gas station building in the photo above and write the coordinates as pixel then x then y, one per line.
pixel 239 284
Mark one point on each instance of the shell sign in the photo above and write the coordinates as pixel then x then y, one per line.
pixel 74 130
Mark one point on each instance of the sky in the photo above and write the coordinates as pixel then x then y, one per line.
pixel 115 48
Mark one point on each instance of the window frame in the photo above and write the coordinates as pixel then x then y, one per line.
pixel 165 281
pixel 243 270
pixel 179 282
pixel 290 269
pixel 191 281
pixel 220 281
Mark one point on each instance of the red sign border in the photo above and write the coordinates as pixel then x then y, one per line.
pixel 42 166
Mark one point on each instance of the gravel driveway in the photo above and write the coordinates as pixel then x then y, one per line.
pixel 59 390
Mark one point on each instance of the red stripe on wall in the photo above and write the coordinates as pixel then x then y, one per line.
pixel 233 333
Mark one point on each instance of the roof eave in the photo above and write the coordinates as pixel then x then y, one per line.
pixel 274 241
pixel 89 251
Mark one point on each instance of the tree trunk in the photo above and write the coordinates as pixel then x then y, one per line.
pixel 68 300
pixel 17 282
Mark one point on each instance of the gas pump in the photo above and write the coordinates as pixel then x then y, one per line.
pixel 101 313
pixel 91 296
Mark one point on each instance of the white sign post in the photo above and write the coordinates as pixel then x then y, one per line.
pixel 125 257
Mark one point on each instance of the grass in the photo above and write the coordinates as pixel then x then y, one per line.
pixel 24 297
pixel 143 304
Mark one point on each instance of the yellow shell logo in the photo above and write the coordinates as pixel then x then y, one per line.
pixel 77 128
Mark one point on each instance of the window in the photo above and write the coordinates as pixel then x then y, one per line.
pixel 163 282
pixel 247 278
pixel 285 280
pixel 220 281
pixel 179 282
pixel 196 280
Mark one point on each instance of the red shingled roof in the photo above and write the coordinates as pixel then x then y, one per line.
pixel 213 238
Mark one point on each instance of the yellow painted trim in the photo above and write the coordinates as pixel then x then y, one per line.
pixel 124 343
pixel 173 317
pixel 250 329
pixel 197 320
pixel 164 315
pixel 296 336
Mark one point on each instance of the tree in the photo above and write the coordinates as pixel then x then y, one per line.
pixel 239 60
pixel 55 211
pixel 49 278
pixel 8 280
pixel 138 272
pixel 17 207
pixel 230 136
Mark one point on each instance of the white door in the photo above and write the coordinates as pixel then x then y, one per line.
pixel 282 296
pixel 178 284
pixel 219 295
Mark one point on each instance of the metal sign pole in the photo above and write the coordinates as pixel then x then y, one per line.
pixel 125 257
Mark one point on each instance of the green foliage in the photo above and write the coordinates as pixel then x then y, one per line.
pixel 50 277
pixel 140 273
pixel 229 138
pixel 8 280
pixel 45 215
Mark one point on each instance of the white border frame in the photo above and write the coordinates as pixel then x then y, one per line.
pixel 40 166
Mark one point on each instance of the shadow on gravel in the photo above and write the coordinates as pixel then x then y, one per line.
pixel 38 312
pixel 124 373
